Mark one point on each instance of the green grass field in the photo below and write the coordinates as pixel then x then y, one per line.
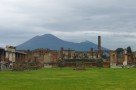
pixel 69 79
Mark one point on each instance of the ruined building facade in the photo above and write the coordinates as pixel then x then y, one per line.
pixel 68 56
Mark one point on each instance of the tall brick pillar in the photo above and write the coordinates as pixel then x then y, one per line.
pixel 99 47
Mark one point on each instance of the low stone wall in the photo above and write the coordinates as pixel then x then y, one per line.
pixel 87 64
pixel 106 64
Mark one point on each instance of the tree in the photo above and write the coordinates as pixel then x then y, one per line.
pixel 129 50
pixel 119 50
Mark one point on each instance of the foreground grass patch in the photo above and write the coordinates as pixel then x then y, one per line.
pixel 69 79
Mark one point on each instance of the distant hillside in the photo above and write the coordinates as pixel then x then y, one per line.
pixel 52 42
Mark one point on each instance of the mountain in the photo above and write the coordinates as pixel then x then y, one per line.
pixel 54 43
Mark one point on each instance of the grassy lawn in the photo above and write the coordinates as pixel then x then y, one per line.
pixel 68 79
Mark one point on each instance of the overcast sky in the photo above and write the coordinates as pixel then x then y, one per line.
pixel 71 20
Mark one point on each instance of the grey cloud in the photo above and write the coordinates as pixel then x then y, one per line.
pixel 20 20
